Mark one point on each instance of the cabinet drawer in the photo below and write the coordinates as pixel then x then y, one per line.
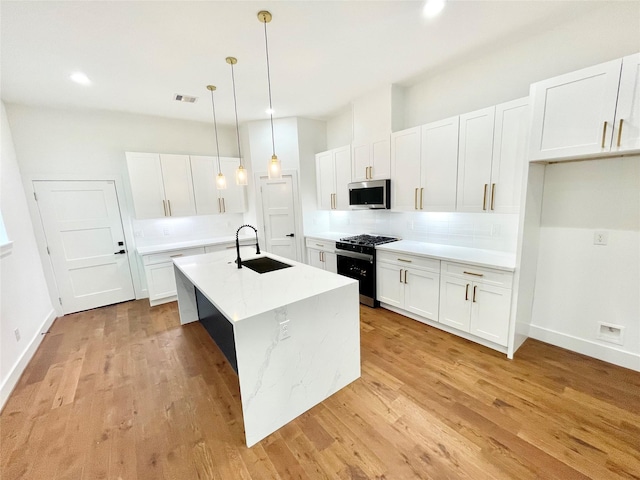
pixel 324 245
pixel 219 247
pixel 169 256
pixel 478 274
pixel 412 261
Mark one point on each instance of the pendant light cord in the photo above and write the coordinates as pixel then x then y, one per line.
pixel 266 47
pixel 235 105
pixel 215 129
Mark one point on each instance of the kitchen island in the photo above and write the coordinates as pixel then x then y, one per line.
pixel 292 335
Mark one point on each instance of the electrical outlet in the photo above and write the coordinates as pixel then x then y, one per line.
pixel 17 334
pixel 600 237
pixel 284 330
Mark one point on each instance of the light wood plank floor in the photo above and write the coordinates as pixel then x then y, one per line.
pixel 124 392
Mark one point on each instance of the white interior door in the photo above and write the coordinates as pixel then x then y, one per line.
pixel 83 230
pixel 279 216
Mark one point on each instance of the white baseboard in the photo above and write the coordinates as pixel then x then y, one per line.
pixel 605 353
pixel 18 368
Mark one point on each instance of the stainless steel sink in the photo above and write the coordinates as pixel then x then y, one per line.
pixel 264 264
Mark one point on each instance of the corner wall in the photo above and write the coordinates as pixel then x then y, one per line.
pixel 24 298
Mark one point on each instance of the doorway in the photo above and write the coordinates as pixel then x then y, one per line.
pixel 85 241
pixel 277 198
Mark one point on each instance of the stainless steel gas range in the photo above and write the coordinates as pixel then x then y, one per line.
pixel 357 259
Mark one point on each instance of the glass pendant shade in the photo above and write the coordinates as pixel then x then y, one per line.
pixel 275 170
pixel 241 176
pixel 221 181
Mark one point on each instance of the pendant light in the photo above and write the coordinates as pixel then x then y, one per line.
pixel 274 170
pixel 241 173
pixel 221 182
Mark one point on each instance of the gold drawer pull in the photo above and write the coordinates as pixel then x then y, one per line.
pixel 176 255
pixel 400 275
pixel 493 195
pixel 474 274
pixel 319 245
pixel 604 133
pixel 484 197
pixel 466 293
pixel 474 293
pixel 620 131
pixel 403 260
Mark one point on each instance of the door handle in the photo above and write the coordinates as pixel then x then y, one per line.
pixel 493 195
pixel 415 199
pixel 484 197
pixel 620 131
pixel 224 207
pixel 474 293
pixel 604 133
pixel 401 275
pixel 421 194
pixel 121 252
pixel 466 293
pixel 290 235
pixel 169 204
pixel 405 276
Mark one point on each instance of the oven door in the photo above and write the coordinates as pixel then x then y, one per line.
pixel 359 266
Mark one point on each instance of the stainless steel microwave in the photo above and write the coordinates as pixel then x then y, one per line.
pixel 374 194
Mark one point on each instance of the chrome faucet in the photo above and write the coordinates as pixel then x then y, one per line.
pixel 238 261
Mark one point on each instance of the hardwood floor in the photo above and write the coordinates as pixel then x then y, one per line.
pixel 124 392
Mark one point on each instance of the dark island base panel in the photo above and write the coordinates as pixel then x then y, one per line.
pixel 219 328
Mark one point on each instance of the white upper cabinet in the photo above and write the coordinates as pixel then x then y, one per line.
pixel 574 114
pixel 161 185
pixel 405 169
pixel 333 175
pixel 209 200
pixel 439 165
pixel 626 130
pixel 371 160
pixel 474 160
pixel 509 156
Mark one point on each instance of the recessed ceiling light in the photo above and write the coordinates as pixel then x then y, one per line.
pixel 80 78
pixel 432 8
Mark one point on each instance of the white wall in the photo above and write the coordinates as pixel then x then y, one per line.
pixel 24 298
pixel 579 284
pixel 74 144
pixel 340 129
pixel 505 73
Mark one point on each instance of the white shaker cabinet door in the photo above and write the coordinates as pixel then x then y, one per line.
pixel 361 162
pixel 573 114
pixel 626 133
pixel 421 293
pixel 455 302
pixel 405 169
pixel 389 286
pixel 380 160
pixel 314 258
pixel 204 171
pixel 161 282
pixel 342 166
pixel 330 262
pixel 490 313
pixel 509 156
pixel 325 180
pixel 439 155
pixel 178 185
pixel 474 160
pixel 147 188
pixel 233 198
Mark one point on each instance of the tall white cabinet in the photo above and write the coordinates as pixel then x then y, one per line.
pixel 210 200
pixel 333 175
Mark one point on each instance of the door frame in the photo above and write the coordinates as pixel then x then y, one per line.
pixel 297 214
pixel 126 216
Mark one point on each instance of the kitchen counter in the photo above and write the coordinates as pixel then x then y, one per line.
pixel 203 242
pixel 292 335
pixel 473 256
pixel 328 236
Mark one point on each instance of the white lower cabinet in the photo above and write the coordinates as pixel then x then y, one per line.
pixel 161 280
pixel 409 282
pixel 476 300
pixel 322 254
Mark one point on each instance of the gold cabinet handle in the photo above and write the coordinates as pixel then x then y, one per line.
pixel 421 193
pixel 164 205
pixel 403 260
pixel 405 276
pixel 474 293
pixel 169 204
pixel 335 203
pixel 219 206
pixel 620 131
pixel 474 274
pixel 176 255
pixel 415 199
pixel 466 293
pixel 319 245
pixel 493 195
pixel 224 207
pixel 401 275
pixel 484 197
pixel 604 133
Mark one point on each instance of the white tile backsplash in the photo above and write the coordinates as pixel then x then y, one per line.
pixel 169 230
pixel 477 230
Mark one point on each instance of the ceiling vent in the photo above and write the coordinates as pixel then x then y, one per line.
pixel 185 98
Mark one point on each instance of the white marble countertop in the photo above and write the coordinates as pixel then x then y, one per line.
pixel 241 293
pixel 202 242
pixel 473 256
pixel 329 236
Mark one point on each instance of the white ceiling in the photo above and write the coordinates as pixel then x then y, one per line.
pixel 323 54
